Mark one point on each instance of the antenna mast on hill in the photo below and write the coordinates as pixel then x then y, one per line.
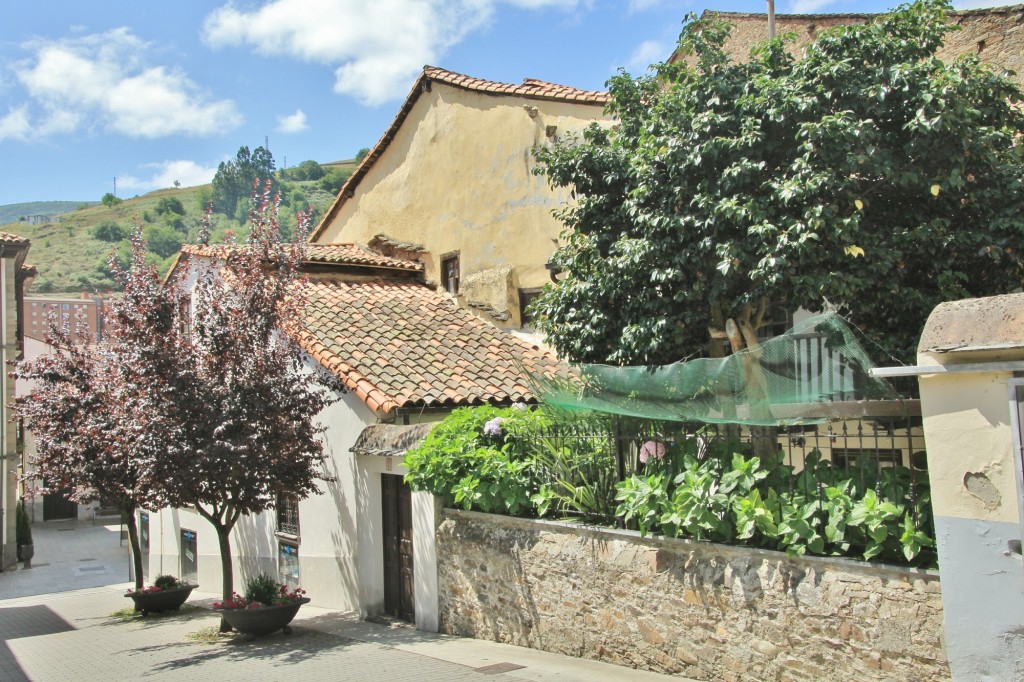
pixel 115 185
pixel 771 19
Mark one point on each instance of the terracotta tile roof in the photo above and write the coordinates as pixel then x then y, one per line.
pixel 335 254
pixel 10 239
pixel 390 440
pixel 530 88
pixel 399 344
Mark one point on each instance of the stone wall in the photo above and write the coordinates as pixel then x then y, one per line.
pixel 995 34
pixel 708 612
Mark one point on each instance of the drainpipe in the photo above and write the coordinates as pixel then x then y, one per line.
pixel 7 460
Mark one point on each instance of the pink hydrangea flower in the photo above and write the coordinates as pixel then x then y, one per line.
pixel 652 450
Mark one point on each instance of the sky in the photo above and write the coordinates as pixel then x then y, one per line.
pixel 133 96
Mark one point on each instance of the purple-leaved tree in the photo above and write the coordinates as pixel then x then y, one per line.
pixel 104 413
pixel 251 434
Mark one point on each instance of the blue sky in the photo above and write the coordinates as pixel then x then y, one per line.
pixel 153 92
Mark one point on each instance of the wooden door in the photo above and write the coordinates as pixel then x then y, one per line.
pixel 56 505
pixel 398 565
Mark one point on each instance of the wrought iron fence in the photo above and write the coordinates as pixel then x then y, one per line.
pixel 874 445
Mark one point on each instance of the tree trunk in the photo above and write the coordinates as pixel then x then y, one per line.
pixel 128 511
pixel 227 570
pixel 742 334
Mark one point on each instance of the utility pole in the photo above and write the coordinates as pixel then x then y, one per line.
pixel 771 19
pixel 115 185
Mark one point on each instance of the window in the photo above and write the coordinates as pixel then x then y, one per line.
pixel 527 297
pixel 185 316
pixel 65 306
pixel 450 273
pixel 854 458
pixel 288 540
pixel 288 515
pixel 288 563
pixel 1017 427
pixel 778 319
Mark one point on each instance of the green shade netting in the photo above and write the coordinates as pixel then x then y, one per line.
pixel 817 361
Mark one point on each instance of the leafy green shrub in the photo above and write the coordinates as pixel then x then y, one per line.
pixel 709 500
pixel 162 240
pixel 261 588
pixel 169 205
pixel 109 231
pixel 22 529
pixel 477 459
pixel 166 582
pixel 334 179
pixel 576 482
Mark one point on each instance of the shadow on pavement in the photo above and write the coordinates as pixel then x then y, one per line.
pixel 25 621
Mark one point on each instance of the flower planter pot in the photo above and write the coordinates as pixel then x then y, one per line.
pixel 25 553
pixel 263 620
pixel 164 600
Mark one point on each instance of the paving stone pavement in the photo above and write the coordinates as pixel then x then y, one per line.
pixel 54 635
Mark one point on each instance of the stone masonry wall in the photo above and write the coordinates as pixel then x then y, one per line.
pixel 708 612
pixel 995 34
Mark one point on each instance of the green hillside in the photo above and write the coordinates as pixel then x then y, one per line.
pixel 72 251
pixel 16 212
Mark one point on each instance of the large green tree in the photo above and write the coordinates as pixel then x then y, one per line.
pixel 235 181
pixel 864 173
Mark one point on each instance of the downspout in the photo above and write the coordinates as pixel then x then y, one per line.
pixel 7 461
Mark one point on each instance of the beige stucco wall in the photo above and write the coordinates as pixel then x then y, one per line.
pixel 458 176
pixel 966 422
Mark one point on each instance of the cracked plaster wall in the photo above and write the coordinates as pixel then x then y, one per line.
pixel 976 500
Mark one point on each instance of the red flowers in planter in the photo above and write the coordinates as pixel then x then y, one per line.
pixel 283 596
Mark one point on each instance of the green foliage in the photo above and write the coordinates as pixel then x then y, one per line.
pixel 108 200
pixel 699 488
pixel 22 529
pixel 787 178
pixel 361 154
pixel 170 205
pixel 576 483
pixel 307 170
pixel 459 462
pixel 334 179
pixel 234 180
pixel 162 240
pixel 109 231
pixel 166 582
pixel 262 588
pixel 709 500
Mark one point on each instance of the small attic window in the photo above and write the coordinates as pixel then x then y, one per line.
pixel 450 273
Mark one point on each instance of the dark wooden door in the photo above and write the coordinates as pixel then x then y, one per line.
pixel 56 505
pixel 397 512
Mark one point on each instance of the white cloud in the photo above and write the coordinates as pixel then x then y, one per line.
pixel 810 6
pixel 292 123
pixel 186 173
pixel 15 125
pixel 100 81
pixel 643 5
pixel 647 53
pixel 377 48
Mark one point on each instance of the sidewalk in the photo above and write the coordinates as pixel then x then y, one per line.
pixel 70 555
pixel 51 637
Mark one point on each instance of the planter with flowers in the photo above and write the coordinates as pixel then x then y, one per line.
pixel 167 593
pixel 267 606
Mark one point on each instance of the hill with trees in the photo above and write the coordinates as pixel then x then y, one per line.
pixel 71 250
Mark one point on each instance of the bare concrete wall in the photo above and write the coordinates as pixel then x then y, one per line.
pixel 708 612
